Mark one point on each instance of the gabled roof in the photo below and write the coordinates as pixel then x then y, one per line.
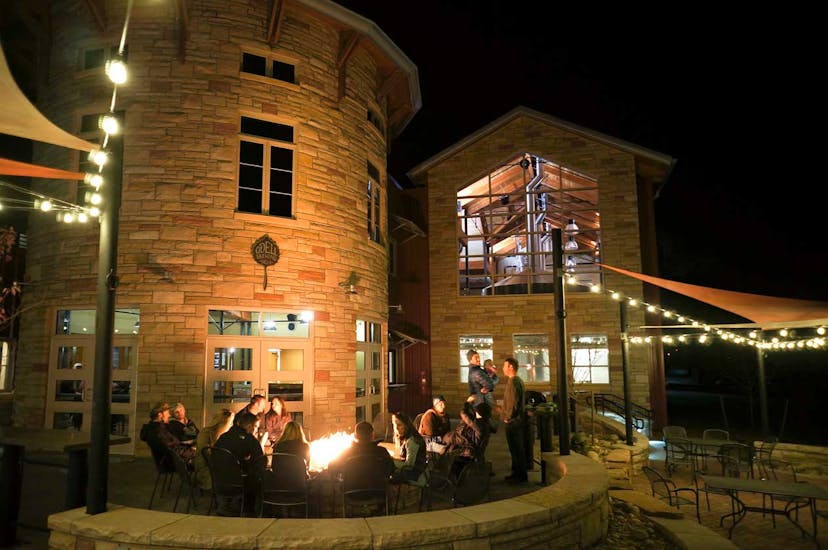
pixel 649 163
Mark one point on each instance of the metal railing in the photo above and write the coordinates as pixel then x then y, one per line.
pixel 608 402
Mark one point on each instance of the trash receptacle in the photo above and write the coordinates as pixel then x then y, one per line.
pixel 11 481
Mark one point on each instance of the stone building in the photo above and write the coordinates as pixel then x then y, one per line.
pixel 255 131
pixel 243 121
pixel 493 200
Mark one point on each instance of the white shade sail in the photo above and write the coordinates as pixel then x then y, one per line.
pixel 18 117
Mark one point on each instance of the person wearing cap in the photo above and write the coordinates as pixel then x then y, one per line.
pixel 434 424
pixel 364 444
pixel 159 438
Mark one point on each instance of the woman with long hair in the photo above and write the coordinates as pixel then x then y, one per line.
pixel 221 422
pixel 411 447
pixel 293 441
pixel 276 418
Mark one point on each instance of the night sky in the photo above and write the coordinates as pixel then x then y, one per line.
pixel 738 107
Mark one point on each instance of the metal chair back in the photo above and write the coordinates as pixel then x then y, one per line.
pixel 365 482
pixel 185 477
pixel 670 432
pixel 286 483
pixel 227 475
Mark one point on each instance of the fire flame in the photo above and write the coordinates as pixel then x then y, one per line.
pixel 325 450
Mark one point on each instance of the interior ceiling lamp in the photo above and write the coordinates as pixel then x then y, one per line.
pixel 570 243
pixel 571 226
pixel 570 264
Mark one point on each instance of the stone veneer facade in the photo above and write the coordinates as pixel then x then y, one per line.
pixel 181 144
pixel 599 157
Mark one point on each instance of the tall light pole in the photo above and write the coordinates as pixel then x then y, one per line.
pixel 97 489
pixel 560 323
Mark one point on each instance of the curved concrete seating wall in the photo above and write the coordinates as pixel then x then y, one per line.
pixel 571 513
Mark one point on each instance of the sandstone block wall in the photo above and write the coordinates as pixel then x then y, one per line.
pixel 503 316
pixel 179 192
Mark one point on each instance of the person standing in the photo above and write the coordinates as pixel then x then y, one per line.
pixel 481 381
pixel 514 418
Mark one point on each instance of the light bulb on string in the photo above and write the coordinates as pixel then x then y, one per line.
pixel 98 157
pixel 95 180
pixel 94 211
pixel 109 124
pixel 116 70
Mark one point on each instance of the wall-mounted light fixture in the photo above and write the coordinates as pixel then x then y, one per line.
pixel 350 282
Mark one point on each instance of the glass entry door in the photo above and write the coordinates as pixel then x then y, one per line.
pixel 69 390
pixel 238 368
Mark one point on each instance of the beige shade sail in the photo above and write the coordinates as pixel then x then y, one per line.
pixel 18 117
pixel 769 312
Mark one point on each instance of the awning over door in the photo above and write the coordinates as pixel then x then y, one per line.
pixel 404 340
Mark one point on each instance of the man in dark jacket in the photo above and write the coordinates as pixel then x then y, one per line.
pixel 514 418
pixel 241 441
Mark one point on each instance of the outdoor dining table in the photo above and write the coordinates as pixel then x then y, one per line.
pixel 797 495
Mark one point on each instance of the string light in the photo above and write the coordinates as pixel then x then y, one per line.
pixel 750 339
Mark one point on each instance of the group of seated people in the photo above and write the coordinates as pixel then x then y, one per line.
pixel 245 434
pixel 248 433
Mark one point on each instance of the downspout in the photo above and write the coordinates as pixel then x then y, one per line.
pixel 531 219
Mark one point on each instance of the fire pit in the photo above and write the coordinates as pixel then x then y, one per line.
pixel 326 449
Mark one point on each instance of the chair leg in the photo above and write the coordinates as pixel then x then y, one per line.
pixel 154 488
pixel 397 501
pixel 178 495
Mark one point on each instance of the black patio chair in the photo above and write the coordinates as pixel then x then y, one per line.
pixel 365 483
pixel 763 458
pixel 185 477
pixel 228 479
pixel 164 468
pixel 741 454
pixel 665 488
pixel 679 452
pixel 285 484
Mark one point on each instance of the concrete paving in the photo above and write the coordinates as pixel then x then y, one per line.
pixel 131 480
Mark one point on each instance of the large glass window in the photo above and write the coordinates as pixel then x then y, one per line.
pixel 532 354
pixel 5 366
pixel 374 207
pixel 269 67
pixel 259 323
pixel 265 168
pixel 504 225
pixel 481 344
pixel 82 321
pixel 368 379
pixel 590 358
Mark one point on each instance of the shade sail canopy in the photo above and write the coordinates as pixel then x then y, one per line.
pixel 15 168
pixel 769 312
pixel 18 117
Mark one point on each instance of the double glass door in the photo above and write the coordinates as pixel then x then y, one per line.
pixel 70 386
pixel 239 367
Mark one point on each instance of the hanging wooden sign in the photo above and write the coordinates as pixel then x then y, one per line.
pixel 266 252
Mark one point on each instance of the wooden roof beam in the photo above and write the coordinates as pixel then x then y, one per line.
pixel 183 19
pixel 98 11
pixel 348 42
pixel 274 28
